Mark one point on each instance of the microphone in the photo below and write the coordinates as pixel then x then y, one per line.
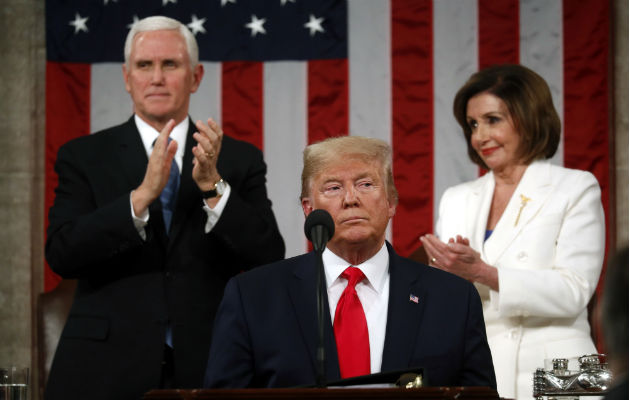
pixel 319 228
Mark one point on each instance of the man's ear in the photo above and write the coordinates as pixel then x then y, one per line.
pixel 307 207
pixel 197 76
pixel 126 77
pixel 391 210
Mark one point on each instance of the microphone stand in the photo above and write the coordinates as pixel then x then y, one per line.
pixel 320 282
pixel 319 227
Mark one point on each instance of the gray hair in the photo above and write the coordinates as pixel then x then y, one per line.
pixel 319 155
pixel 161 23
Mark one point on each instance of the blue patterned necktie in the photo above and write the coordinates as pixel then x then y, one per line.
pixel 168 196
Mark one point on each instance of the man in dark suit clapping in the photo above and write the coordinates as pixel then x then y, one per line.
pixel 153 217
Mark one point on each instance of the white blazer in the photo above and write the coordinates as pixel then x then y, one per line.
pixel 548 259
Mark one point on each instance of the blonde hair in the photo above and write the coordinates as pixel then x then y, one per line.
pixel 319 155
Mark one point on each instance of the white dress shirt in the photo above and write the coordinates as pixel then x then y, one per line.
pixel 372 291
pixel 148 134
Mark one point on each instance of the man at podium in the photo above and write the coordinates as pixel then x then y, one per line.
pixel 382 312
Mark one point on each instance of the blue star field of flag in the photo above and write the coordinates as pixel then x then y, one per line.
pixel 227 30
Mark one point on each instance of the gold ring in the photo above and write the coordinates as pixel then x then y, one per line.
pixel 433 260
pixel 210 155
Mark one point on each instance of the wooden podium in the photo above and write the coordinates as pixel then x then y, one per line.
pixel 458 393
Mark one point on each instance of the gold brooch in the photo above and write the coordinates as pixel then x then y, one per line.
pixel 524 201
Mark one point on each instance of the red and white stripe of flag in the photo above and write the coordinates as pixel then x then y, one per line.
pixel 407 58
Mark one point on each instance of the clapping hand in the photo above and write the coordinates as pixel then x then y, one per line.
pixel 457 257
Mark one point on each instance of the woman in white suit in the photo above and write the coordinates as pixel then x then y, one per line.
pixel 530 234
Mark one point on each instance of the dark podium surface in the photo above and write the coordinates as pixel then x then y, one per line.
pixel 325 393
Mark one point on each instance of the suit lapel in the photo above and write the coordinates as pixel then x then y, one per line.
pixel 535 187
pixel 131 153
pixel 304 300
pixel 477 210
pixel 404 315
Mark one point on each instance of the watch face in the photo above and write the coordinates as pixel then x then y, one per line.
pixel 220 187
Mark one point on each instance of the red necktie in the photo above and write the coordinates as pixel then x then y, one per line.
pixel 351 332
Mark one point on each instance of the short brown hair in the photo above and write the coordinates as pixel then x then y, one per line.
pixel 528 100
pixel 318 155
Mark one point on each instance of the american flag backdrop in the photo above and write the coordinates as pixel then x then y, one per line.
pixel 284 73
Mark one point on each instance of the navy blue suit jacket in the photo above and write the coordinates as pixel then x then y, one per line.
pixel 265 332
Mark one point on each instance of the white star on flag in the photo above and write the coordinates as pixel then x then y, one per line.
pixel 256 25
pixel 314 24
pixel 224 2
pixel 79 23
pixel 283 2
pixel 196 25
pixel 165 2
pixel 135 21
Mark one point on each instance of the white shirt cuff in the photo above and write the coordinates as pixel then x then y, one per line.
pixel 139 221
pixel 215 213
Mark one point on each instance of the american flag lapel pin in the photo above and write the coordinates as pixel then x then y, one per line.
pixel 413 298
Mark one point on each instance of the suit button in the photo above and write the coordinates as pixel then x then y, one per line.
pixel 169 276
